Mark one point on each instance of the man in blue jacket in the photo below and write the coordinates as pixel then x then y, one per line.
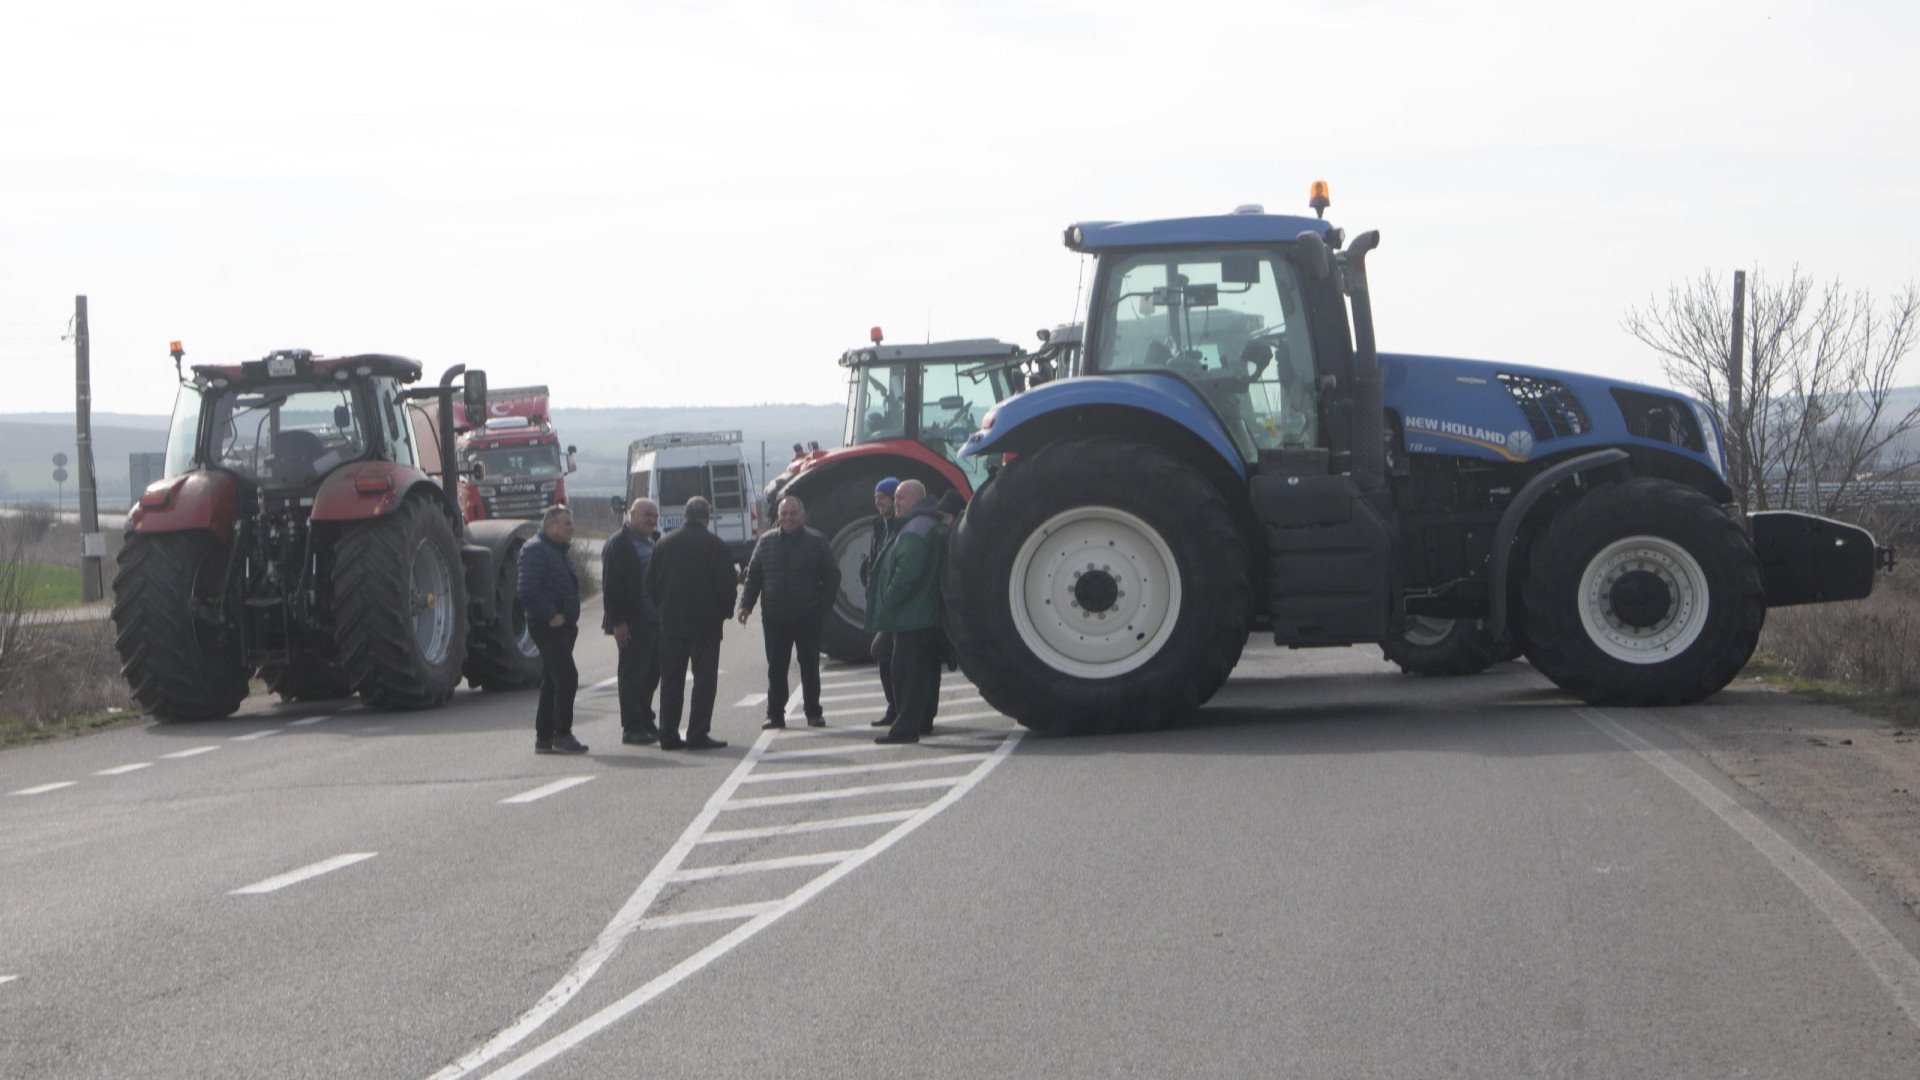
pixel 550 597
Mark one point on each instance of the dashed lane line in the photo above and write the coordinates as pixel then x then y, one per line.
pixel 4 979
pixel 195 752
pixel 305 873
pixel 122 770
pixel 257 735
pixel 750 701
pixel 44 788
pixel 545 790
pixel 309 720
pixel 1896 968
pixel 633 915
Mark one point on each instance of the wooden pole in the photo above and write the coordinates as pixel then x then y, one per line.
pixel 92 541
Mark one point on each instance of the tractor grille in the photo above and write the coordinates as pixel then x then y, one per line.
pixel 1550 408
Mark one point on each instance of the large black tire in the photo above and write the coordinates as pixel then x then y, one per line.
pixel 400 607
pixel 502 655
pixel 180 667
pixel 1446 647
pixel 1098 529
pixel 307 682
pixel 1644 592
pixel 840 505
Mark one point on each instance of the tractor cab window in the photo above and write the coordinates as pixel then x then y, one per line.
pixel 184 433
pixel 1231 323
pixel 877 408
pixel 285 436
pixel 953 399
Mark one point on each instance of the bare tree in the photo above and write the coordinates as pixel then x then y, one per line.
pixel 1815 426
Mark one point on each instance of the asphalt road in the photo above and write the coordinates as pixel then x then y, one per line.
pixel 1336 872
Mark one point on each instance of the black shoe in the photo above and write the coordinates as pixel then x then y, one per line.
pixel 885 721
pixel 671 744
pixel 816 721
pixel 773 725
pixel 890 739
pixel 567 744
pixel 925 731
pixel 706 742
pixel 544 748
pixel 639 738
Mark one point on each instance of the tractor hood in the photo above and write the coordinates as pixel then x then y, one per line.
pixel 1512 412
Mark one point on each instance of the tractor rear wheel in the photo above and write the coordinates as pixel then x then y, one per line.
pixel 1644 592
pixel 180 660
pixel 1446 647
pixel 307 682
pixel 400 607
pixel 1096 586
pixel 503 655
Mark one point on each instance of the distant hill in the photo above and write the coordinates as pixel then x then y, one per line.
pixel 28 442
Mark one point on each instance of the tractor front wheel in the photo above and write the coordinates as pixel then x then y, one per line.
pixel 1644 592
pixel 400 607
pixel 178 650
pixel 503 656
pixel 1096 586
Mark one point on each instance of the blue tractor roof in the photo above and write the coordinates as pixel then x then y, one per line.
pixel 1243 228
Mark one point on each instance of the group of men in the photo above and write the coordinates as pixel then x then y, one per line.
pixel 668 599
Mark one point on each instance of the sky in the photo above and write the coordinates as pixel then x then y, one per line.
pixel 670 203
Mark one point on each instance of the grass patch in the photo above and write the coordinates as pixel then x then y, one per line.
pixel 16 731
pixel 51 586
pixel 1901 710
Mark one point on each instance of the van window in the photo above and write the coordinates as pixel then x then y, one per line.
pixel 679 485
pixel 640 485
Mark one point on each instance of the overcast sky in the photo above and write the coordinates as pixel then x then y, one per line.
pixel 705 203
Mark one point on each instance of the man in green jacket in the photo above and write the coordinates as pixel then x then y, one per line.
pixel 903 599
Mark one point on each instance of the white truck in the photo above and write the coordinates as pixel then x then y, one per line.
pixel 672 467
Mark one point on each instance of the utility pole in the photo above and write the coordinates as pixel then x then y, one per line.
pixel 1736 380
pixel 93 544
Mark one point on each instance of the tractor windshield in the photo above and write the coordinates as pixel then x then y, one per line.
pixel 877 407
pixel 1229 321
pixel 285 435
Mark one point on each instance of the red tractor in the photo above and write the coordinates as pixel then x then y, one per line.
pixel 909 410
pixel 301 533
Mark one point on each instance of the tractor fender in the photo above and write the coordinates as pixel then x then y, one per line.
pixel 1024 421
pixel 483 550
pixel 1516 515
pixel 368 490
pixel 208 499
pixel 873 453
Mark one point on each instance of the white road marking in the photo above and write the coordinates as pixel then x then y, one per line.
pixel 309 720
pixel 44 788
pixel 548 789
pixel 257 735
pixel 1895 967
pixel 195 752
pixel 885 766
pixel 749 701
pixel 633 915
pixel 121 770
pixel 761 866
pixel 721 836
pixel 988 715
pixel 295 877
pixel 707 915
pixel 603 684
pixel 841 793
pixel 876 709
pixel 866 745
pixel 8 978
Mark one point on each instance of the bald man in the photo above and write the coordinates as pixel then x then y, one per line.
pixel 794 571
pixel 904 600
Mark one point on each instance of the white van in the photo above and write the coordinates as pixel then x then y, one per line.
pixel 674 467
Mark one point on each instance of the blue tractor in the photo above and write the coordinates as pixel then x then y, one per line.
pixel 1232 455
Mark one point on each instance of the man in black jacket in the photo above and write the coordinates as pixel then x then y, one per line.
pixel 550 597
pixel 633 619
pixel 692 578
pixel 795 569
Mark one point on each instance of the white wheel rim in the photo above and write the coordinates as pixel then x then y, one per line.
pixel 1128 555
pixel 1426 631
pixel 1667 636
pixel 431 601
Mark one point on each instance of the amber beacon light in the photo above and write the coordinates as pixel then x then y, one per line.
pixel 1318 198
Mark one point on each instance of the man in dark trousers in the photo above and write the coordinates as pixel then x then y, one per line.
pixel 884 526
pixel 794 568
pixel 903 600
pixel 633 619
pixel 550 596
pixel 693 580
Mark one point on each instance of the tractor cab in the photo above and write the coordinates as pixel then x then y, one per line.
pixel 934 394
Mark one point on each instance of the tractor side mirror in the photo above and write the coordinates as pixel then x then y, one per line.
pixel 479 470
pixel 953 403
pixel 619 506
pixel 1313 255
pixel 475 398
pixel 573 460
pixel 342 418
